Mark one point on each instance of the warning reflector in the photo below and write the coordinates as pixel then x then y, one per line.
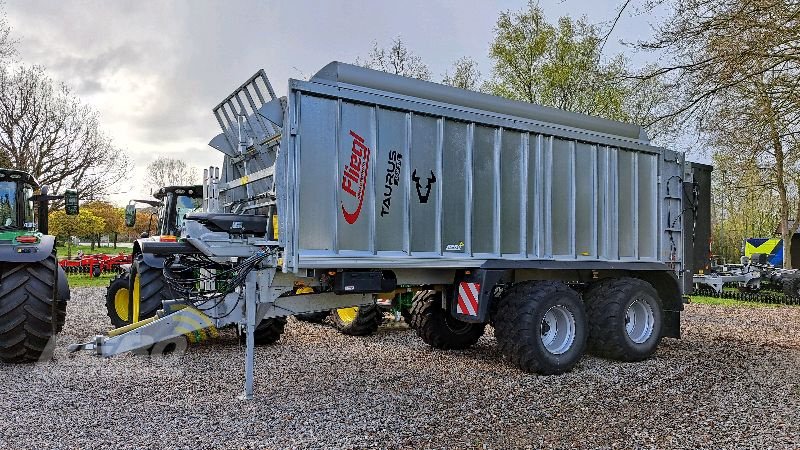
pixel 468 298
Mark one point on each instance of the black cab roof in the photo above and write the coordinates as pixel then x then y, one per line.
pixel 189 191
pixel 18 175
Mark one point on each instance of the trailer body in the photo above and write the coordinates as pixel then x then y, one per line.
pixel 490 210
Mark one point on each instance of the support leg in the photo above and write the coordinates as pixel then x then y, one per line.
pixel 250 314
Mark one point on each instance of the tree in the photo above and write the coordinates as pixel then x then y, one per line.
pixel 734 66
pixel 397 59
pixel 113 219
pixel 47 131
pixel 85 224
pixel 170 172
pixel 556 65
pixel 464 74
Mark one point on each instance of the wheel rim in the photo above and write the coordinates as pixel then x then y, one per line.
pixel 137 288
pixel 639 321
pixel 558 330
pixel 121 303
pixel 347 315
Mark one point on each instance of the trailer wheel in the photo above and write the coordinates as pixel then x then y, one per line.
pixel 267 332
pixel 791 287
pixel 148 289
pixel 27 294
pixel 438 328
pixel 541 327
pixel 625 319
pixel 358 320
pixel 118 300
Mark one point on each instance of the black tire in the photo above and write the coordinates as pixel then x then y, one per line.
pixel 405 313
pixel 791 287
pixel 267 332
pixel 438 328
pixel 607 304
pixel 27 300
pixel 366 321
pixel 152 288
pixel 313 317
pixel 520 326
pixel 119 285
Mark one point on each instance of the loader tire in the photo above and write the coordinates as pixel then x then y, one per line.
pixel 148 289
pixel 29 313
pixel 791 287
pixel 625 319
pixel 118 300
pixel 540 327
pixel 358 320
pixel 267 332
pixel 438 328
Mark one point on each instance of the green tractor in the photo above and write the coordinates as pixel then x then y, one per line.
pixel 138 292
pixel 365 320
pixel 133 298
pixel 33 287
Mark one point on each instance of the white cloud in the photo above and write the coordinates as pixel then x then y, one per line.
pixel 154 70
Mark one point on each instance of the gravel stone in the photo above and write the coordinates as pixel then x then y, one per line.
pixel 731 382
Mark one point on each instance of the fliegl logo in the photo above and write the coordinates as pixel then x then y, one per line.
pixel 354 176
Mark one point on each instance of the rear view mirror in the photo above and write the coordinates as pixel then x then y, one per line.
pixel 130 215
pixel 71 202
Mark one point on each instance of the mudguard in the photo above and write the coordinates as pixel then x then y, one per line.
pixel 153 260
pixel 32 253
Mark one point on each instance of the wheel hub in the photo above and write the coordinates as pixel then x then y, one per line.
pixel 639 321
pixel 347 315
pixel 558 330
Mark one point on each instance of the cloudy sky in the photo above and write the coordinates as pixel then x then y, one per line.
pixel 155 69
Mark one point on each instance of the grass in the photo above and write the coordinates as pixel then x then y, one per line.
pixel 87 250
pixel 727 302
pixel 84 280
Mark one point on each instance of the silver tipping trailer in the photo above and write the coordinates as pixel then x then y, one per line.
pixel 558 229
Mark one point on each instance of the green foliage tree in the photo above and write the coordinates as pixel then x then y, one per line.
pixel 84 225
pixel 463 74
pixel 113 219
pixel 733 67
pixel 557 65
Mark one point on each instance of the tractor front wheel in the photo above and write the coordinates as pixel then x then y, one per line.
pixel 358 320
pixel 148 289
pixel 118 300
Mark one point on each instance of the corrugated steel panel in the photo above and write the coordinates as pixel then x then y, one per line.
pixel 380 179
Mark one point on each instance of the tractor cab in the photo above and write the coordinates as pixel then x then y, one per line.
pixel 177 201
pixel 16 200
pixel 173 203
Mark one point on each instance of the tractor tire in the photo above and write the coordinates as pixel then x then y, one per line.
pixel 267 332
pixel 625 319
pixel 791 287
pixel 313 317
pixel 29 313
pixel 438 328
pixel 541 327
pixel 118 300
pixel 148 289
pixel 358 320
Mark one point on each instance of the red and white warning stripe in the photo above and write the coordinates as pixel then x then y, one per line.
pixel 468 298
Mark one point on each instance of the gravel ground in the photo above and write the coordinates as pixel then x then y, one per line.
pixel 733 381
